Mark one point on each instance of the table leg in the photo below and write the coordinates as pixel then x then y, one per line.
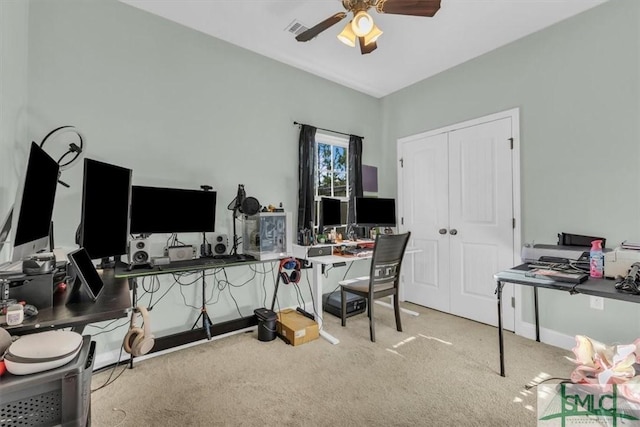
pixel 133 285
pixel 317 302
pixel 537 316
pixel 500 332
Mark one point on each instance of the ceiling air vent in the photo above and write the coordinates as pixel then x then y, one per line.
pixel 296 27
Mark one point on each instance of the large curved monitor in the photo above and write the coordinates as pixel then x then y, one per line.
pixel 171 210
pixel 105 188
pixel 33 207
pixel 375 212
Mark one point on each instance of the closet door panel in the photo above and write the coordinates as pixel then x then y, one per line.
pixel 425 210
pixel 481 213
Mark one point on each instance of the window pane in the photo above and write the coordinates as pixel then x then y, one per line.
pixel 324 184
pixel 324 157
pixel 332 170
pixel 324 191
pixel 340 184
pixel 339 159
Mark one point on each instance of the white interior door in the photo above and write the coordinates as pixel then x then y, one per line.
pixel 459 195
pixel 425 212
pixel 481 218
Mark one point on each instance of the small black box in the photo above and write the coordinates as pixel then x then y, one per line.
pixel 319 251
pixel 331 303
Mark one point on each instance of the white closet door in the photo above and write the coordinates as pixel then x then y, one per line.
pixel 480 218
pixel 425 210
pixel 458 195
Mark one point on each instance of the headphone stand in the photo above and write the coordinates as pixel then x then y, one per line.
pixel 234 247
pixel 206 320
pixel 275 293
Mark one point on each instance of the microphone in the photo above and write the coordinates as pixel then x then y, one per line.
pixel 240 197
pixel 236 203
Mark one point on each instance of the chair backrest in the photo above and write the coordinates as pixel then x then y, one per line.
pixel 387 258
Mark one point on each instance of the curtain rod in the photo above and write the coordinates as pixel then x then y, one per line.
pixel 329 130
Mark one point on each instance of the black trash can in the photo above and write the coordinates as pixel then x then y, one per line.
pixel 266 324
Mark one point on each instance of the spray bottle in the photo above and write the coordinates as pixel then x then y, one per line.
pixel 596 260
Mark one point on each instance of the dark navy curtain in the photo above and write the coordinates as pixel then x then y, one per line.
pixel 355 175
pixel 306 176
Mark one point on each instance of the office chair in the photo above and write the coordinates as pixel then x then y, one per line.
pixel 383 280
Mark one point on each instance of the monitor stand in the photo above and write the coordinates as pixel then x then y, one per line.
pixel 5 228
pixel 106 263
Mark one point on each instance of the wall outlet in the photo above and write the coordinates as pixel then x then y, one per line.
pixel 597 303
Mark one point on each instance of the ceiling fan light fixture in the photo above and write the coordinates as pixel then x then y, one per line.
pixel 373 35
pixel 362 23
pixel 347 36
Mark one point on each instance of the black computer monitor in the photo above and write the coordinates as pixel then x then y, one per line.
pixel 104 225
pixel 330 213
pixel 375 212
pixel 171 210
pixel 33 207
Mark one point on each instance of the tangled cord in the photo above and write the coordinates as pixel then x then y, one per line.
pixel 630 283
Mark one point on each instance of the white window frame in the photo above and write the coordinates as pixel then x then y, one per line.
pixel 337 141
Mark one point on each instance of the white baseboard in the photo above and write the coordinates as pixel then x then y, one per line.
pixel 547 336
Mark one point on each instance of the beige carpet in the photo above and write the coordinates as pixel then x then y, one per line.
pixel 442 370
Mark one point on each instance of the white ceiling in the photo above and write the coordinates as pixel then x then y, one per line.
pixel 411 48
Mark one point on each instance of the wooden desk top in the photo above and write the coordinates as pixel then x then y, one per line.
pixel 114 302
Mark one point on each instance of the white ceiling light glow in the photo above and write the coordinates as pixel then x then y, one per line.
pixel 362 23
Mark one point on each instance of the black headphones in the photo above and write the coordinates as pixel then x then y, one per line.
pixel 290 264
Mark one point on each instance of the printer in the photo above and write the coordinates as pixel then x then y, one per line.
pixel 618 262
pixel 554 253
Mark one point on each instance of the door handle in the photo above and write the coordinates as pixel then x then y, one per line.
pixel 442 231
pixel 453 231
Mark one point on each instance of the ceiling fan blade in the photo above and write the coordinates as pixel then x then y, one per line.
pixel 367 48
pixel 409 7
pixel 314 31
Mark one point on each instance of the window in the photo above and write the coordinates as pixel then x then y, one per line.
pixel 332 179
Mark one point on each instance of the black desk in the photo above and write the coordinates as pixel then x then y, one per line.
pixel 604 288
pixel 65 389
pixel 195 265
pixel 114 302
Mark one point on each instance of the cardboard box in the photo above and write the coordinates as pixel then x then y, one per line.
pixel 295 328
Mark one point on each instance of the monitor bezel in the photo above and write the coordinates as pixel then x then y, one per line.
pixel 134 229
pixel 83 225
pixel 326 202
pixel 29 247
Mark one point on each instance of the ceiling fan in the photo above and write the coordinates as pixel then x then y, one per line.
pixel 361 28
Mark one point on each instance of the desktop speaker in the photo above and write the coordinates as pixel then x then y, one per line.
pixel 138 252
pixel 220 244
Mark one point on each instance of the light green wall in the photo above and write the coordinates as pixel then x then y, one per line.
pixel 577 87
pixel 184 109
pixel 13 101
pixel 181 109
